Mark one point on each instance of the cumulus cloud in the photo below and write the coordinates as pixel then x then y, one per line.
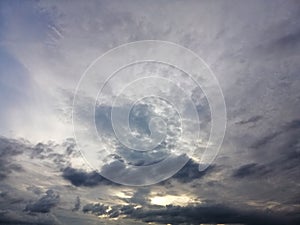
pixel 190 172
pixel 44 204
pixel 80 177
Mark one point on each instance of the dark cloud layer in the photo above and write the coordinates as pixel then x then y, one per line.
pixel 251 170
pixel 291 126
pixel 190 172
pixel 81 178
pixel 192 214
pixel 44 204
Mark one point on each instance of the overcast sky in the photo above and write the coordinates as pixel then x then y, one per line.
pixel 252 48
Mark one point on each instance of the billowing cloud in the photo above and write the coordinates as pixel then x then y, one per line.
pixel 44 204
pixel 8 149
pixel 82 178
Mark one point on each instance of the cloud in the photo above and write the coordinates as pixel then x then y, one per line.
pixel 251 120
pixel 192 214
pixel 140 197
pixel 81 178
pixel 9 148
pixel 281 148
pixel 265 140
pixel 44 204
pixel 22 218
pixel 97 209
pixel 251 170
pixel 256 62
pixel 77 204
pixel 190 172
pixel 289 42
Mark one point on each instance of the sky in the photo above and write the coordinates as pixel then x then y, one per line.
pixel 73 153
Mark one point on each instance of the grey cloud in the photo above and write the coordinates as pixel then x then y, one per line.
pixel 235 30
pixel 290 41
pixel 140 197
pixel 210 214
pixel 252 119
pixel 288 127
pixel 265 140
pixel 79 177
pixel 10 197
pixel 193 214
pixel 77 204
pixel 44 204
pixel 8 149
pixel 251 170
pixel 9 217
pixel 60 154
pixel 140 116
pixel 190 172
pixel 114 211
pixel 294 124
pixel 82 178
pixel 97 209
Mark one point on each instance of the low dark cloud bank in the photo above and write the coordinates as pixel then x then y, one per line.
pixel 44 204
pixel 193 214
pixel 251 170
pixel 82 178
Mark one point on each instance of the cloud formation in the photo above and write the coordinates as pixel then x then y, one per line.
pixel 81 178
pixel 253 49
pixel 196 214
pixel 44 204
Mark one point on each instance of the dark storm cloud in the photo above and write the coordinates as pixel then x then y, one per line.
pixel 81 178
pixel 97 209
pixel 8 149
pixel 210 214
pixel 276 153
pixel 251 170
pixel 9 217
pixel 120 172
pixel 294 124
pixel 190 172
pixel 191 214
pixel 44 204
